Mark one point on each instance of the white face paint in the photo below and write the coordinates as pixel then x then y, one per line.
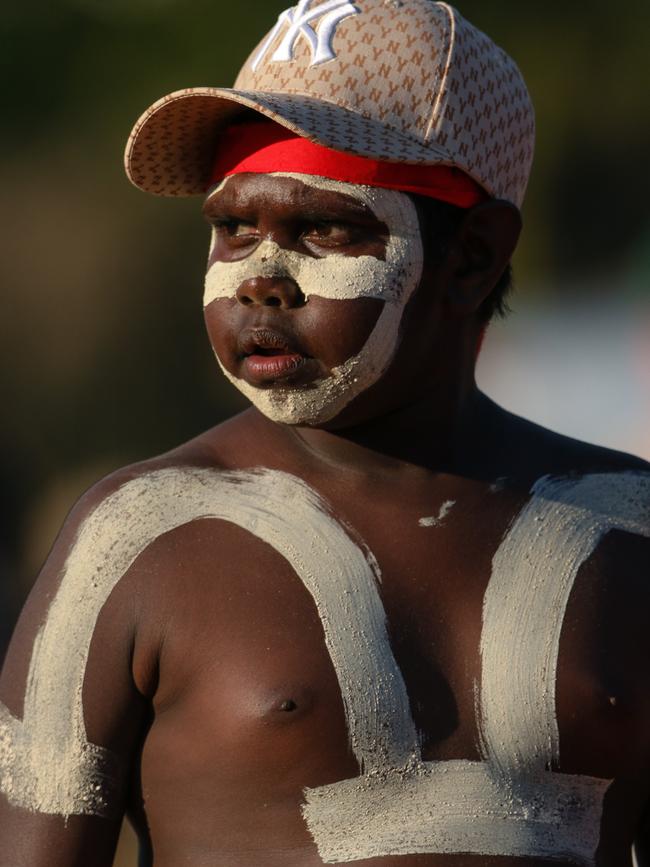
pixel 335 277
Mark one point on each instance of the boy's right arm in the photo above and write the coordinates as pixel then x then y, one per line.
pixel 72 716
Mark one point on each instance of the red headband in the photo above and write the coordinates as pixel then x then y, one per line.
pixel 264 147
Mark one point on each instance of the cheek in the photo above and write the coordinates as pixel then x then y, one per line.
pixel 331 331
pixel 335 331
pixel 222 323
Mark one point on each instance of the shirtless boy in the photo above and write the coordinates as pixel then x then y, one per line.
pixel 375 618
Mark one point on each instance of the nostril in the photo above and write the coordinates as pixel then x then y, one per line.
pixel 270 292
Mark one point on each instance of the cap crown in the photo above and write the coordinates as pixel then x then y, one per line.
pixel 430 86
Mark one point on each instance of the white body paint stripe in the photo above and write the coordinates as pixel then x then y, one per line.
pixel 457 807
pixel 443 512
pixel 46 762
pixel 533 573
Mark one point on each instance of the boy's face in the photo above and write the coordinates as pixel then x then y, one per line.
pixel 306 286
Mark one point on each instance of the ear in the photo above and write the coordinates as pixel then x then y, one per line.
pixel 479 254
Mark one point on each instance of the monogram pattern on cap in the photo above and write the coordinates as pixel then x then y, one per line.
pixel 298 22
pixel 411 82
pixel 389 67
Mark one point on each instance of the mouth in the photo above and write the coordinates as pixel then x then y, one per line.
pixel 268 356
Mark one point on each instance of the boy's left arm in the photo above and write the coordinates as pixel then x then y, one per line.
pixel 71 715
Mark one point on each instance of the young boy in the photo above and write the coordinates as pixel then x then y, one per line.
pixel 375 618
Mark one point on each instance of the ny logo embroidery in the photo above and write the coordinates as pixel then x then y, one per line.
pixel 298 21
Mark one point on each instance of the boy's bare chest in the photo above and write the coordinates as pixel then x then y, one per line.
pixel 279 646
pixel 277 632
pixel 305 646
pixel 269 652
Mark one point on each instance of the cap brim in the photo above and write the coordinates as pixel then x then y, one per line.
pixel 172 147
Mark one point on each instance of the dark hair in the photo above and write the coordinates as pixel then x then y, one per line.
pixel 439 222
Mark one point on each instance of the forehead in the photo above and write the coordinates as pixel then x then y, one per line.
pixel 291 192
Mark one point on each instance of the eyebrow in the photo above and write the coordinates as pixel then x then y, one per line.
pixel 335 214
pixel 334 210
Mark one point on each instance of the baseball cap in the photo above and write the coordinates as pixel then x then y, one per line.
pixel 403 81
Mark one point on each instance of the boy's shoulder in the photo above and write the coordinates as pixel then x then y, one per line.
pixel 125 489
pixel 539 451
pixel 528 453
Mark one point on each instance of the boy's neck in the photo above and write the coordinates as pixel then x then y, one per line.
pixel 440 435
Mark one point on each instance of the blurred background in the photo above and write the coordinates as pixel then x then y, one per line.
pixel 104 358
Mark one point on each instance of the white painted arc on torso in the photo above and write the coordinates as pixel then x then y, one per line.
pixel 332 567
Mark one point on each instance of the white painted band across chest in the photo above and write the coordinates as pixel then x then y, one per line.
pixel 336 277
pixel 507 804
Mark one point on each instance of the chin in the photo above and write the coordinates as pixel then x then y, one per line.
pixel 314 404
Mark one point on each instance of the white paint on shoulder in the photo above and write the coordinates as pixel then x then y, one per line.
pixel 336 277
pixel 533 573
pixel 445 509
pixel 46 762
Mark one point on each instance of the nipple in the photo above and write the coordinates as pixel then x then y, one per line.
pixel 291 702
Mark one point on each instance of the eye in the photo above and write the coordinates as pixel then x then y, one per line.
pixel 331 234
pixel 234 229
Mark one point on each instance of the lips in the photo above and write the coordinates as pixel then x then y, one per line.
pixel 269 355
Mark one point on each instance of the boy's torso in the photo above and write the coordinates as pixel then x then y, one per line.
pixel 244 657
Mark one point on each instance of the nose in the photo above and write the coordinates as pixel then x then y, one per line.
pixel 270 292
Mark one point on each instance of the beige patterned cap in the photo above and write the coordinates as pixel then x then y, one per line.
pixel 408 81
